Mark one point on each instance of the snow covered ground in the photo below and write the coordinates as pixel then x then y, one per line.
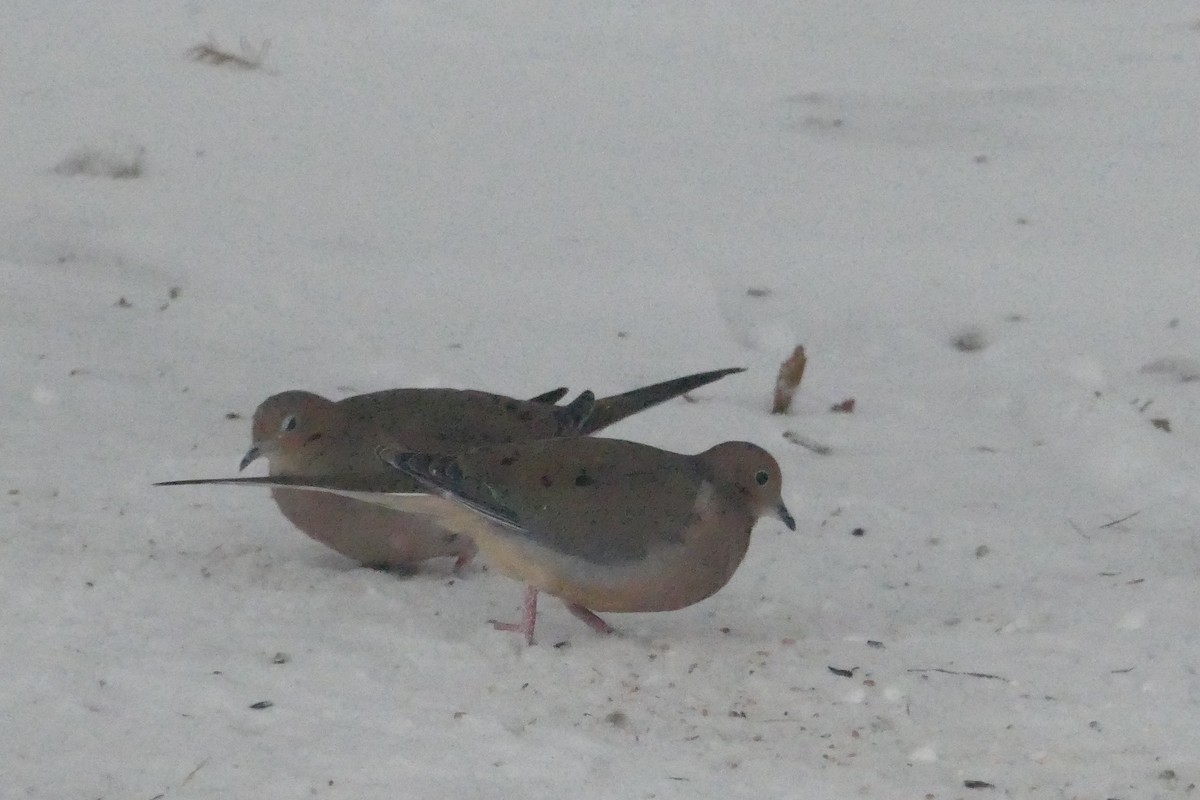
pixel 981 219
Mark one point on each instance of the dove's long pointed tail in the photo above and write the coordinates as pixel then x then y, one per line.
pixel 380 490
pixel 619 406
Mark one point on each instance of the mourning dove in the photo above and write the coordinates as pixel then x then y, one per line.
pixel 304 434
pixel 602 524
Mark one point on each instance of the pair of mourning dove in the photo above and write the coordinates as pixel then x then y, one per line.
pixel 602 524
pixel 304 434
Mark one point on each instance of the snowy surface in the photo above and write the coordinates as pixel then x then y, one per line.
pixel 517 196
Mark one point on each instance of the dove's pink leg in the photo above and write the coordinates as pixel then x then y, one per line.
pixel 525 626
pixel 588 616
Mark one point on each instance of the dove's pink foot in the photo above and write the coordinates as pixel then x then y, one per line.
pixel 588 616
pixel 529 617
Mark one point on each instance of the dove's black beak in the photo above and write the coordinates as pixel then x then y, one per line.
pixel 785 515
pixel 251 455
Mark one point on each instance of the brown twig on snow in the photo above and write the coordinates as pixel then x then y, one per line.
pixel 250 58
pixel 95 162
pixel 964 674
pixel 791 372
pixel 1116 522
pixel 807 443
pixel 192 774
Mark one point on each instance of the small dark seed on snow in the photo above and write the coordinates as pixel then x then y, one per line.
pixel 978 785
pixel 970 340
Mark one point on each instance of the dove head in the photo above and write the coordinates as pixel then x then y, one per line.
pixel 754 476
pixel 292 428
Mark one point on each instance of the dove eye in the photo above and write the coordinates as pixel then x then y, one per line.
pixel 289 423
pixel 761 477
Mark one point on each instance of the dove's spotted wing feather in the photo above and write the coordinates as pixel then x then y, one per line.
pixel 588 498
pixel 453 420
pixel 443 476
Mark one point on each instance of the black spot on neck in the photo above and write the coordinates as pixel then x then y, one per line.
pixel 583 479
